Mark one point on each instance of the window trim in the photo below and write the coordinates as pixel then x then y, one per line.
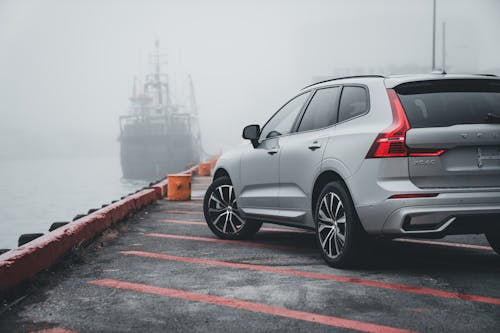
pixel 369 106
pixel 303 112
pixel 306 102
pixel 311 93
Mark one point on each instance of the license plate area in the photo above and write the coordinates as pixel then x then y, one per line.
pixel 488 157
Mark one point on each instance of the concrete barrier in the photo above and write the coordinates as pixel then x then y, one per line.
pixel 213 162
pixel 23 262
pixel 204 169
pixel 19 264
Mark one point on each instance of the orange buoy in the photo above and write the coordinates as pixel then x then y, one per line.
pixel 179 187
pixel 204 169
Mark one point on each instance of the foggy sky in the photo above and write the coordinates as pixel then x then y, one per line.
pixel 66 67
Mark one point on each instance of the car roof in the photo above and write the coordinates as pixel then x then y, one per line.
pixel 392 81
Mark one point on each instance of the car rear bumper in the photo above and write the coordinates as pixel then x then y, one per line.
pixel 439 215
pixel 450 211
pixel 442 219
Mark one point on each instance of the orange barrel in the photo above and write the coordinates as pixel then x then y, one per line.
pixel 179 187
pixel 204 169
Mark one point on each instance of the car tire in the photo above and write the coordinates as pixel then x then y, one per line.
pixel 339 234
pixel 222 214
pixel 493 238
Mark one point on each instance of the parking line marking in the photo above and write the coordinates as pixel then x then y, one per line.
pixel 187 212
pixel 431 242
pixel 204 223
pixel 322 276
pixel 249 306
pixel 226 241
pixel 54 330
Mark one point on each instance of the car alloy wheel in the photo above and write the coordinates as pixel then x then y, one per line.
pixel 222 213
pixel 332 225
pixel 223 210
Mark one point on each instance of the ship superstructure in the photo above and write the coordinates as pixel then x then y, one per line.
pixel 158 136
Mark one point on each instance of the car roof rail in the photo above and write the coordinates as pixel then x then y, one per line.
pixel 344 77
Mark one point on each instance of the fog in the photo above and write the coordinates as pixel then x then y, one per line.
pixel 66 67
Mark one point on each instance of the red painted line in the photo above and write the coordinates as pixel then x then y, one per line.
pixel 250 306
pixel 225 241
pixel 204 223
pixel 54 330
pixel 188 212
pixel 466 246
pixel 322 276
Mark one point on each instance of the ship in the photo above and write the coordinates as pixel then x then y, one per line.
pixel 158 136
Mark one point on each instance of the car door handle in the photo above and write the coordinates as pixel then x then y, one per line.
pixel 315 145
pixel 272 151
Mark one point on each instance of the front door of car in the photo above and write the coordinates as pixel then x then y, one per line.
pixel 301 154
pixel 260 165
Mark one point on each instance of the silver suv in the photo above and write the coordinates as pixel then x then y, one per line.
pixel 412 156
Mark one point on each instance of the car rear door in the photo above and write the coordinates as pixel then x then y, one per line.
pixel 454 138
pixel 302 152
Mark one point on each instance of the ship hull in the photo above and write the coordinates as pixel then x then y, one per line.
pixel 154 157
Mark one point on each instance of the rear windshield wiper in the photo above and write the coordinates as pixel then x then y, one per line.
pixel 493 118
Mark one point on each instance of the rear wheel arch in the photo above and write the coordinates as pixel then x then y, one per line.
pixel 324 178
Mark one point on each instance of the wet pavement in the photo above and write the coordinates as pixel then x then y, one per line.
pixel 162 270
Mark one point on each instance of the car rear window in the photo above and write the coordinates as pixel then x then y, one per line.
pixel 450 102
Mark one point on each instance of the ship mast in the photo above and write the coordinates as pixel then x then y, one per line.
pixel 195 125
pixel 157 79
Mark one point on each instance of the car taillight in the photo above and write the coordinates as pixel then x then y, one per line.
pixel 426 152
pixel 391 142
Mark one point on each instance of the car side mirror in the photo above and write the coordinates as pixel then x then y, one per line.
pixel 252 133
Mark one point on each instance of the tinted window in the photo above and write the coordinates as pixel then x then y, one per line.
pixel 354 102
pixel 450 102
pixel 282 122
pixel 322 110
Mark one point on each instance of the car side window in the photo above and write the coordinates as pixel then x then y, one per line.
pixel 353 102
pixel 283 120
pixel 322 110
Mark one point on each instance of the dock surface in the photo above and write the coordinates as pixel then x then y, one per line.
pixel 162 270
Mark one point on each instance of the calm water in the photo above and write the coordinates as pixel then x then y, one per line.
pixel 35 193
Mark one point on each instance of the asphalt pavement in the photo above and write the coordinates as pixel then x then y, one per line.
pixel 162 270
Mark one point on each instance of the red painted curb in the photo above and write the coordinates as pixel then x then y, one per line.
pixel 21 263
pixel 193 170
